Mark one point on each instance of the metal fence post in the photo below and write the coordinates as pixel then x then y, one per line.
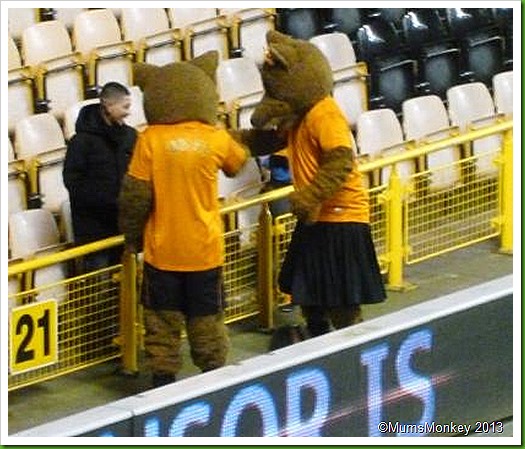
pixel 507 194
pixel 395 244
pixel 128 313
pixel 265 268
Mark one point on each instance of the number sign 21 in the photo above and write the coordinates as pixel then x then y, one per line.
pixel 34 334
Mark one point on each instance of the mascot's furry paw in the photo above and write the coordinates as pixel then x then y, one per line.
pixel 305 206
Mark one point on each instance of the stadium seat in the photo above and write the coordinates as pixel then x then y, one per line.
pixel 59 73
pixel 248 29
pixel 482 48
pixel 34 233
pixel 504 21
pixel 347 20
pixel 184 17
pixel 301 23
pixel 350 76
pixel 502 90
pixel 17 187
pixel 67 16
pixel 19 19
pixel 66 222
pixel 392 71
pixel 379 134
pixel 425 119
pixel 20 88
pixel 439 65
pixel 240 88
pixel 202 31
pixel 96 35
pixel 40 142
pixel 32 230
pixel 149 30
pixel 71 114
pixel 470 106
pixel 137 115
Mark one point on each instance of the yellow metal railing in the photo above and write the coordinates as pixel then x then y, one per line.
pixel 99 317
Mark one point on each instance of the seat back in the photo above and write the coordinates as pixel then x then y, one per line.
pixel 32 230
pixel 471 105
pixel 183 17
pixel 377 40
pixel 137 116
pixel 301 23
pixel 379 133
pixel 19 19
pixel 38 134
pixel 149 30
pixel 45 40
pixel 14 58
pixel 94 28
pixel 426 119
pixel 237 77
pixel 248 30
pixel 485 57
pixel 502 87
pixel 67 16
pixel 337 48
pixel 422 28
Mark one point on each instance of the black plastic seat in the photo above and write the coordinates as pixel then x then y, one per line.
pixel 347 20
pixel 482 48
pixel 301 23
pixel 503 18
pixel 393 72
pixel 439 66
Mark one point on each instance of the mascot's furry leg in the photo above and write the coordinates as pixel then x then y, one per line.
pixel 209 343
pixel 162 343
pixel 346 316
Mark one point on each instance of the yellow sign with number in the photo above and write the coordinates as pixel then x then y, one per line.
pixel 34 336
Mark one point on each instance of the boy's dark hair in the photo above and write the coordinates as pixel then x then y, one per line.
pixel 113 91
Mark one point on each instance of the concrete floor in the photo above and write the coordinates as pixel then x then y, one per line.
pixel 35 405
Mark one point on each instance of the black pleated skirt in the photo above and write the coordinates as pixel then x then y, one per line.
pixel 332 265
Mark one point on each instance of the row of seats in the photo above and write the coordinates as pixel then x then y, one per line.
pixel 50 70
pixel 36 161
pixel 415 52
pixel 426 118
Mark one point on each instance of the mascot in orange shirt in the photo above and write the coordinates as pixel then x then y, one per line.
pixel 169 206
pixel 331 267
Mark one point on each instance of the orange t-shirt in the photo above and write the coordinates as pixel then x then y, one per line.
pixel 184 230
pixel 324 128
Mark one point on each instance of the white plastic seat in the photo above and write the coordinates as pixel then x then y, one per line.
pixel 149 29
pixel 17 187
pixel 202 31
pixel 248 28
pixel 71 115
pixel 425 119
pixel 96 35
pixel 471 106
pixel 66 222
pixel 47 48
pixel 32 230
pixel 379 134
pixel 502 88
pixel 49 281
pixel 19 19
pixel 67 16
pixel 40 142
pixel 246 183
pixel 183 17
pixel 240 87
pixel 137 115
pixel 20 88
pixel 350 91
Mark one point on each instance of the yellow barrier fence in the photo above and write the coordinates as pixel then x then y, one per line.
pixel 83 319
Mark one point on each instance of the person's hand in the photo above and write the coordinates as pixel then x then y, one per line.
pixel 304 207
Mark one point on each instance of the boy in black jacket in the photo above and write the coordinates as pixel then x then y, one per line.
pixel 96 160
